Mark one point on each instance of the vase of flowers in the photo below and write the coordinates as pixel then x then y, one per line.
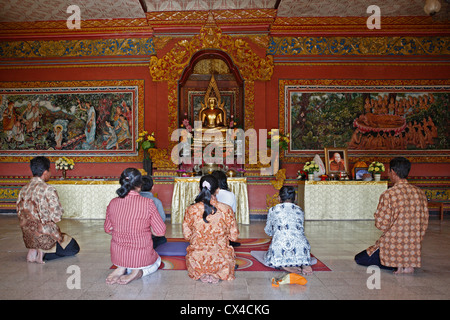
pixel 376 168
pixel 310 167
pixel 64 164
pixel 146 141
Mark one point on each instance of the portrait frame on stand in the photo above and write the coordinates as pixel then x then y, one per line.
pixel 335 165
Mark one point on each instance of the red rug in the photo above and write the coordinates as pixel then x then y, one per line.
pixel 244 260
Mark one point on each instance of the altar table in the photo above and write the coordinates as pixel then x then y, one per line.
pixel 85 199
pixel 340 200
pixel 186 189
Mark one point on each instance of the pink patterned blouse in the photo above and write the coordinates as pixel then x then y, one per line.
pixel 131 221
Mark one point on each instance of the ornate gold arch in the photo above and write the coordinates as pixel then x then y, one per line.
pixel 251 66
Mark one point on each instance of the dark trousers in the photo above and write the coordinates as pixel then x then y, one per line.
pixel 157 241
pixel 364 259
pixel 71 249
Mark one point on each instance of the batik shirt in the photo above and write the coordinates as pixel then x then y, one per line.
pixel 402 215
pixel 289 246
pixel 209 251
pixel 39 210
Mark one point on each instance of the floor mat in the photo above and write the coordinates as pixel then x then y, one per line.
pixel 246 262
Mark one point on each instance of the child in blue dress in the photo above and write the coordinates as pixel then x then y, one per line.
pixel 289 250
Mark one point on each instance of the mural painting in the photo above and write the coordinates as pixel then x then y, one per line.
pixel 69 121
pixel 371 120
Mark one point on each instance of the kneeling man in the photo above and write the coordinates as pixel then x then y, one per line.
pixel 402 216
pixel 39 210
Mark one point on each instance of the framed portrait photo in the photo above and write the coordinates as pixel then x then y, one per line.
pixel 336 160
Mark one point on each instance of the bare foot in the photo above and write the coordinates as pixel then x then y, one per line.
pixel 307 270
pixel 207 278
pixel 114 276
pixel 204 278
pixel 401 270
pixel 213 279
pixel 135 274
pixel 31 256
pixel 296 270
pixel 35 255
pixel 40 257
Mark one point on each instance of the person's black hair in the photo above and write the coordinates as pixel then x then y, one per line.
pixel 287 194
pixel 147 183
pixel 206 191
pixel 38 165
pixel 129 179
pixel 400 166
pixel 222 178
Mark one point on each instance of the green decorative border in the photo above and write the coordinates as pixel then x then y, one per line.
pixel 378 46
pixel 77 48
pixel 281 46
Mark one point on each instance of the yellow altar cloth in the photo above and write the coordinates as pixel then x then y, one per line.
pixel 340 200
pixel 85 199
pixel 186 189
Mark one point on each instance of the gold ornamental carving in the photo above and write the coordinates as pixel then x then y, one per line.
pixel 160 158
pixel 170 67
pixel 251 66
pixel 280 177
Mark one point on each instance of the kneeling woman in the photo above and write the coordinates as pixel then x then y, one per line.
pixel 131 219
pixel 289 249
pixel 209 226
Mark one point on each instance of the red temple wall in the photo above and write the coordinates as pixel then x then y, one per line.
pixel 266 115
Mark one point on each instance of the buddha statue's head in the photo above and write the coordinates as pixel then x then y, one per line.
pixel 212 102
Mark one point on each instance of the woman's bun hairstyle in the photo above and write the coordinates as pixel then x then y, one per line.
pixel 208 186
pixel 287 194
pixel 129 179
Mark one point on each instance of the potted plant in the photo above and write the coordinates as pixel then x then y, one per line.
pixel 310 167
pixel 146 141
pixel 376 168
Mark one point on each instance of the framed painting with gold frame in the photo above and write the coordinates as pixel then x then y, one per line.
pixel 87 120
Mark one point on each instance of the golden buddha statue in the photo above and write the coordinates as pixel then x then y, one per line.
pixel 212 117
pixel 213 114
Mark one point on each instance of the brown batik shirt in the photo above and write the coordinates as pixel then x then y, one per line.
pixel 402 215
pixel 39 210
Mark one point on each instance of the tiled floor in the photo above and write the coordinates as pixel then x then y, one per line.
pixel 333 242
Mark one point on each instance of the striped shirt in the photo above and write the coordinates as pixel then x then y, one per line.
pixel 131 221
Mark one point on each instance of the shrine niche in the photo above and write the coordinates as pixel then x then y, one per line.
pixel 180 68
pixel 211 84
pixel 210 93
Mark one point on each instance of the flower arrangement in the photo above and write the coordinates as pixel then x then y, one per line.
pixel 311 167
pixel 376 167
pixel 187 125
pixel 64 163
pixel 283 140
pixel 146 140
pixel 301 174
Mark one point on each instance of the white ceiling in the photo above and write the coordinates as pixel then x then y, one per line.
pixel 50 10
